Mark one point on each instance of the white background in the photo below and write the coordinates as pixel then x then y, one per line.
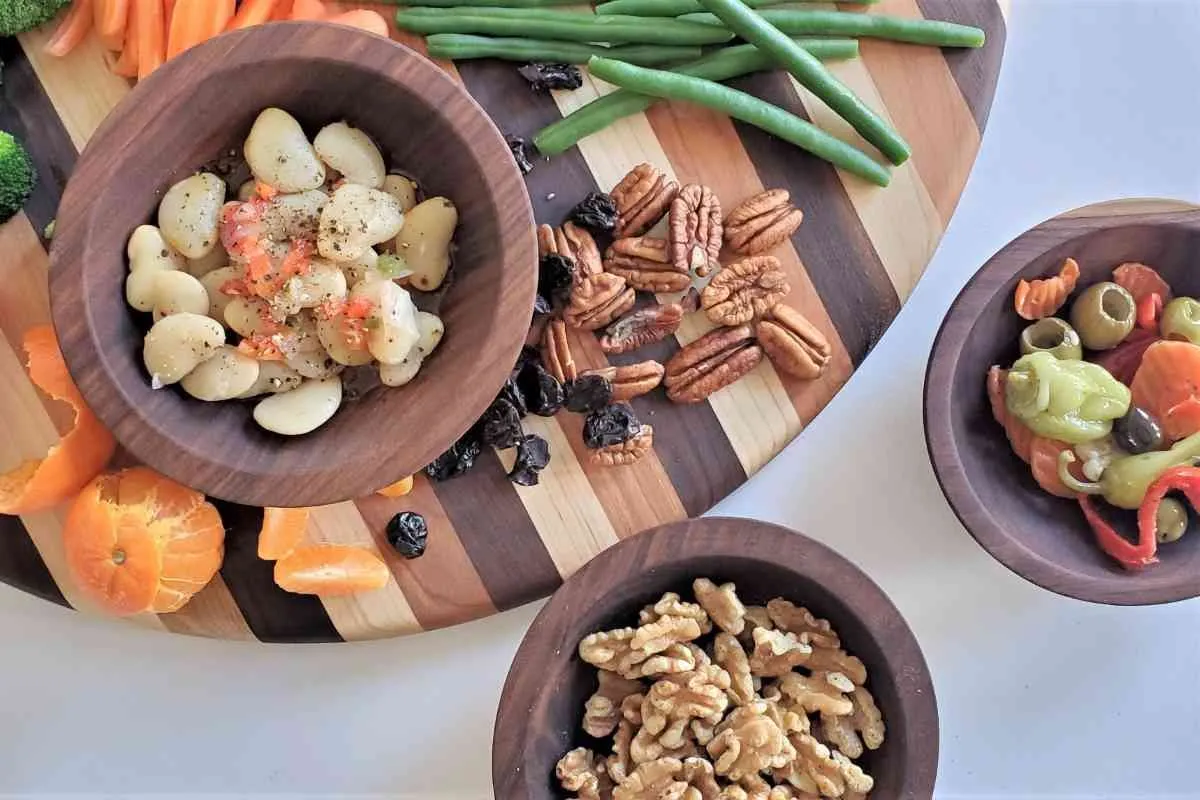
pixel 1040 696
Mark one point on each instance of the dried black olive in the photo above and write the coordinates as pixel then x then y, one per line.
pixel 556 275
pixel 520 152
pixel 500 425
pixel 542 392
pixel 407 532
pixel 588 393
pixel 528 355
pixel 610 426
pixel 1137 431
pixel 551 76
pixel 510 392
pixel 598 211
pixel 458 459
pixel 541 305
pixel 533 454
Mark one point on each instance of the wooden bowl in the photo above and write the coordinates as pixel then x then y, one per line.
pixel 1043 538
pixel 200 106
pixel 541 707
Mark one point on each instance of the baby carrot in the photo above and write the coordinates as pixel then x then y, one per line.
pixel 363 19
pixel 308 9
pixel 150 37
pixel 72 30
pixel 196 21
pixel 127 64
pixel 252 12
pixel 282 10
pixel 112 17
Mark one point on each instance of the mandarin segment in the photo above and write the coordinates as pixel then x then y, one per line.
pixel 282 532
pixel 330 570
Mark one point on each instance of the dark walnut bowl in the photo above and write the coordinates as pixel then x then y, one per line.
pixel 199 107
pixel 1043 538
pixel 541 707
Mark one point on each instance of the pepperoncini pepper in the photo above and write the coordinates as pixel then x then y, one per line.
pixel 1124 482
pixel 1066 399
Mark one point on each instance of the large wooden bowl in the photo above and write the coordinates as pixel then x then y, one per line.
pixel 541 706
pixel 1042 538
pixel 200 106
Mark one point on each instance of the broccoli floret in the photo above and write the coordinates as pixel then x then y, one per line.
pixel 18 16
pixel 17 176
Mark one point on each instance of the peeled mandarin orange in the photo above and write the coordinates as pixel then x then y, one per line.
pixel 282 532
pixel 330 570
pixel 78 457
pixel 398 489
pixel 136 541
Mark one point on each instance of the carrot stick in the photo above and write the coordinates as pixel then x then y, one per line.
pixel 252 12
pixel 168 9
pixel 308 9
pixel 196 21
pixel 72 30
pixel 150 36
pixel 112 17
pixel 125 65
pixel 283 10
pixel 363 19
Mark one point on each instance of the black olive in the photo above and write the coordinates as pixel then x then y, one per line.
pixel 542 392
pixel 556 276
pixel 500 425
pixel 545 76
pixel 533 454
pixel 458 459
pixel 512 394
pixel 1138 431
pixel 598 211
pixel 520 153
pixel 610 426
pixel 541 306
pixel 407 532
pixel 588 393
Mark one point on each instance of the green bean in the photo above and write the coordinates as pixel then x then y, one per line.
pixel 745 107
pixel 676 8
pixel 562 26
pixel 796 22
pixel 750 25
pixel 725 63
pixel 462 46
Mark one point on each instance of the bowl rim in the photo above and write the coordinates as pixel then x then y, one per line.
pixel 674 542
pixel 944 357
pixel 146 436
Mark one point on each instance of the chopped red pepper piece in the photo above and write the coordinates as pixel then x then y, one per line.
pixel 1131 556
pixel 1185 479
pixel 1122 361
pixel 1149 310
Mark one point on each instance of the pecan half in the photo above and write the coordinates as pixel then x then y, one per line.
pixel 762 222
pixel 597 300
pixel 556 353
pixel 710 363
pixel 573 242
pixel 695 227
pixel 627 452
pixel 793 344
pixel 642 327
pixel 631 381
pixel 643 197
pixel 744 290
pixel 645 264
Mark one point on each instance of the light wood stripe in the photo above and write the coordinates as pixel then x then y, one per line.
pixel 211 612
pixel 365 615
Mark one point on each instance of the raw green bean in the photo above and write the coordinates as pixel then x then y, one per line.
pixel 796 22
pixel 725 63
pixel 562 26
pixel 750 25
pixel 745 107
pixel 677 8
pixel 463 46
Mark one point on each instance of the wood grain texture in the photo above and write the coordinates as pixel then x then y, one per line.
pixel 541 705
pixel 1042 538
pixel 493 545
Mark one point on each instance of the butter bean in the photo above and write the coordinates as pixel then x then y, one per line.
pixel 225 376
pixel 178 291
pixel 352 153
pixel 274 377
pixel 189 214
pixel 392 325
pixel 301 410
pixel 247 317
pixel 216 258
pixel 403 189
pixel 218 300
pixel 424 242
pixel 355 218
pixel 177 344
pixel 280 155
pixel 149 254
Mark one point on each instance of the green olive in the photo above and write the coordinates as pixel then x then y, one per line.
pixel 1103 315
pixel 1054 336
pixel 1181 320
pixel 1171 521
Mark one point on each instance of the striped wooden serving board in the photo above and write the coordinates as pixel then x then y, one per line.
pixel 493 545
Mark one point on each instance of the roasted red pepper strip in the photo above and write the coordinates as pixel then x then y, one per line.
pixel 1131 556
pixel 1149 310
pixel 1184 479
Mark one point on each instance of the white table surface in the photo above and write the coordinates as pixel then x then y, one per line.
pixel 1040 696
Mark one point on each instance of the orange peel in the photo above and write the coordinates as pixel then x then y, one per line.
pixel 80 455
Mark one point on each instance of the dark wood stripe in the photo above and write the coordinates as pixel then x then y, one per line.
pixel 272 614
pixel 23 564
pixel 27 113
pixel 841 261
pixel 975 71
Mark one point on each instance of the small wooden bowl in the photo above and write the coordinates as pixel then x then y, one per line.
pixel 1043 538
pixel 541 706
pixel 201 106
